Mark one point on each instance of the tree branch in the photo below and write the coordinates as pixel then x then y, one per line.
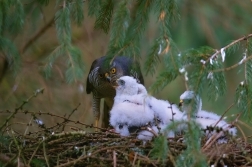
pixel 231 44
pixel 233 66
pixel 37 35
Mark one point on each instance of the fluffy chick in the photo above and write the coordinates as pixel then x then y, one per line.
pixel 204 118
pixel 129 109
pixel 133 107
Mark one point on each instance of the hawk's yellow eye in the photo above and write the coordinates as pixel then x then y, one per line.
pixel 113 70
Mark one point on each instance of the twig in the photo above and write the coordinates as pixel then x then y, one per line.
pixel 37 35
pixel 34 152
pixel 245 65
pixel 114 158
pixel 28 125
pixel 75 109
pixel 69 120
pixel 223 115
pixel 211 140
pixel 45 156
pixel 135 157
pixel 233 66
pixel 244 124
pixel 232 43
pixel 21 106
pixel 70 163
pixel 19 150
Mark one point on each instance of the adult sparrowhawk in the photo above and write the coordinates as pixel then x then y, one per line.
pixel 103 73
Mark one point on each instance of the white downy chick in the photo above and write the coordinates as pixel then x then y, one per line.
pixel 206 123
pixel 186 100
pixel 165 113
pixel 129 109
pixel 204 118
pixel 127 87
pixel 208 115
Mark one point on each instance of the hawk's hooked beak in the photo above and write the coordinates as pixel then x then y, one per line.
pixel 115 84
pixel 180 102
pixel 108 77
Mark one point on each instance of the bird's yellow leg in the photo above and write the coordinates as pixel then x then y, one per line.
pixel 96 124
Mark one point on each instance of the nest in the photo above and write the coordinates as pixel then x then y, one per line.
pixel 54 146
pixel 106 148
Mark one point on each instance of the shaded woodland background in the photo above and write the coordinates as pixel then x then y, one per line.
pixel 202 23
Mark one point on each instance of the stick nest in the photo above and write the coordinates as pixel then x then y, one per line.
pixel 79 148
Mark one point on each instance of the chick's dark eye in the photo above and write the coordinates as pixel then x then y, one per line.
pixel 100 75
pixel 120 126
pixel 121 82
pixel 187 101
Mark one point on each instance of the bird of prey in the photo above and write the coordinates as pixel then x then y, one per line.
pixel 204 118
pixel 102 73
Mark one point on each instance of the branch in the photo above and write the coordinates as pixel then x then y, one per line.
pixel 233 66
pixel 229 45
pixel 20 107
pixel 37 35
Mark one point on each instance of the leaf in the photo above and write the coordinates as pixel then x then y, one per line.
pixel 243 98
pixel 75 66
pixel 11 53
pixel 94 6
pixel 153 57
pixel 160 149
pixel 105 15
pixel 77 11
pixel 63 25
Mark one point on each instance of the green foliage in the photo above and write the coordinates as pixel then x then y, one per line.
pixel 216 82
pixel 243 94
pixel 77 11
pixel 160 149
pixel 51 59
pixel 74 63
pixel 94 7
pixel 233 49
pixel 105 15
pixel 11 16
pixel 11 53
pixel 4 140
pixel 153 58
pixel 75 66
pixel 248 64
pixel 43 2
pixel 192 156
pixel 11 23
pixel 137 27
pixel 201 71
pixel 63 25
pixel 243 98
pixel 118 30
pixel 38 162
pixel 167 11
